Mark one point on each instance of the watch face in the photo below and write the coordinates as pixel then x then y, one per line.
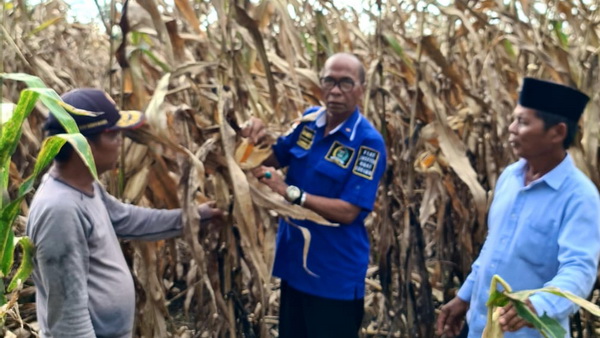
pixel 292 192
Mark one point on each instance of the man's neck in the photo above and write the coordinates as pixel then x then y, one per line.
pixel 74 173
pixel 541 165
pixel 335 120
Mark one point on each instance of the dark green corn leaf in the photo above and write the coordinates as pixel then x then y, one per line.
pixel 548 326
pixel 497 298
pixel 3 299
pixel 7 217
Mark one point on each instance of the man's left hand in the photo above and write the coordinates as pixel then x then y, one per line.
pixel 509 318
pixel 270 177
pixel 209 210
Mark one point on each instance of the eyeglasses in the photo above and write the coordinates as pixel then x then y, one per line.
pixel 345 84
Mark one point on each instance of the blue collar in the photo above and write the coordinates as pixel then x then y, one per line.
pixel 347 128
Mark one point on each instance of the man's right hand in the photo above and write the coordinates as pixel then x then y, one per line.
pixel 255 130
pixel 451 317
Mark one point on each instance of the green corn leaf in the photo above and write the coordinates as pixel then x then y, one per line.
pixel 394 44
pixel 49 149
pixel 397 48
pixel 26 266
pixel 509 48
pixel 31 80
pixel 557 27
pixel 7 217
pixel 57 108
pixel 11 130
pixel 6 111
pixel 588 306
pixel 497 299
pixel 4 175
pixel 80 144
pixel 49 98
pixel 547 326
pixel 3 300
pixel 165 68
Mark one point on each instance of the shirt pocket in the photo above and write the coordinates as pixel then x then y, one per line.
pixel 297 166
pixel 329 179
pixel 537 243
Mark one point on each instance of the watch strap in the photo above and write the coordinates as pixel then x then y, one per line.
pixel 299 199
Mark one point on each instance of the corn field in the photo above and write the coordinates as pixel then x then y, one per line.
pixel 442 81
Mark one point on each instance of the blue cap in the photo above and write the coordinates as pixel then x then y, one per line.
pixel 105 117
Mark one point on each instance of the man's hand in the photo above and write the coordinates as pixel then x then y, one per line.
pixel 270 177
pixel 255 130
pixel 451 317
pixel 509 318
pixel 209 210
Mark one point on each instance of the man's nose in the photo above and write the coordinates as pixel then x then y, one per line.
pixel 512 127
pixel 336 89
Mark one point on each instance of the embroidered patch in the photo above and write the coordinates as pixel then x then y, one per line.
pixel 340 154
pixel 306 138
pixel 366 162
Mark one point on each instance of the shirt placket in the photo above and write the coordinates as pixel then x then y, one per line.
pixel 507 232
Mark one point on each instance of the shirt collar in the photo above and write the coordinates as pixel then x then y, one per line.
pixel 348 127
pixel 554 177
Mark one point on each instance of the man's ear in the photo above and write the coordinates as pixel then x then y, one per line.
pixel 559 132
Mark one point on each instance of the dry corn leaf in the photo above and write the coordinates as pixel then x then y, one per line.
pixel 249 156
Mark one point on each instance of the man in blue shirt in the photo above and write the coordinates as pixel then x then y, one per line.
pixel 335 159
pixel 544 221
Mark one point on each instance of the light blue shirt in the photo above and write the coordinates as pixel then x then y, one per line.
pixel 544 234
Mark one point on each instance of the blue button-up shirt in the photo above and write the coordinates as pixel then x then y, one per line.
pixel 544 234
pixel 346 164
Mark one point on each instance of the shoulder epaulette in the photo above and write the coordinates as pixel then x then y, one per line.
pixel 310 117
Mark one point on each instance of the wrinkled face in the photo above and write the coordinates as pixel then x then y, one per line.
pixel 340 85
pixel 527 135
pixel 106 150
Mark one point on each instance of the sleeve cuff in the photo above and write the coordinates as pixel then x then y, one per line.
pixel 540 305
pixel 551 305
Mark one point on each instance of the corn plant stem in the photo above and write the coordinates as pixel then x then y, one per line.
pixel 111 43
pixel 102 16
pixel 12 43
pixel 227 283
pixel 412 122
pixel 227 48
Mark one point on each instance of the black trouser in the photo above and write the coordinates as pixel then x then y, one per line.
pixel 464 333
pixel 306 316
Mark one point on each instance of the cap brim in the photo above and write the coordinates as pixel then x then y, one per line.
pixel 130 119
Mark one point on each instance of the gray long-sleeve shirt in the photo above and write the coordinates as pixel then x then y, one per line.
pixel 84 287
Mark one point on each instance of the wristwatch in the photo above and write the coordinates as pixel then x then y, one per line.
pixel 293 194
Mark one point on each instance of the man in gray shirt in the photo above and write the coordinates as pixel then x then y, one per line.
pixel 84 286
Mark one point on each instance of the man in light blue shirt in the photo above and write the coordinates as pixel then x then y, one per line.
pixel 544 221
